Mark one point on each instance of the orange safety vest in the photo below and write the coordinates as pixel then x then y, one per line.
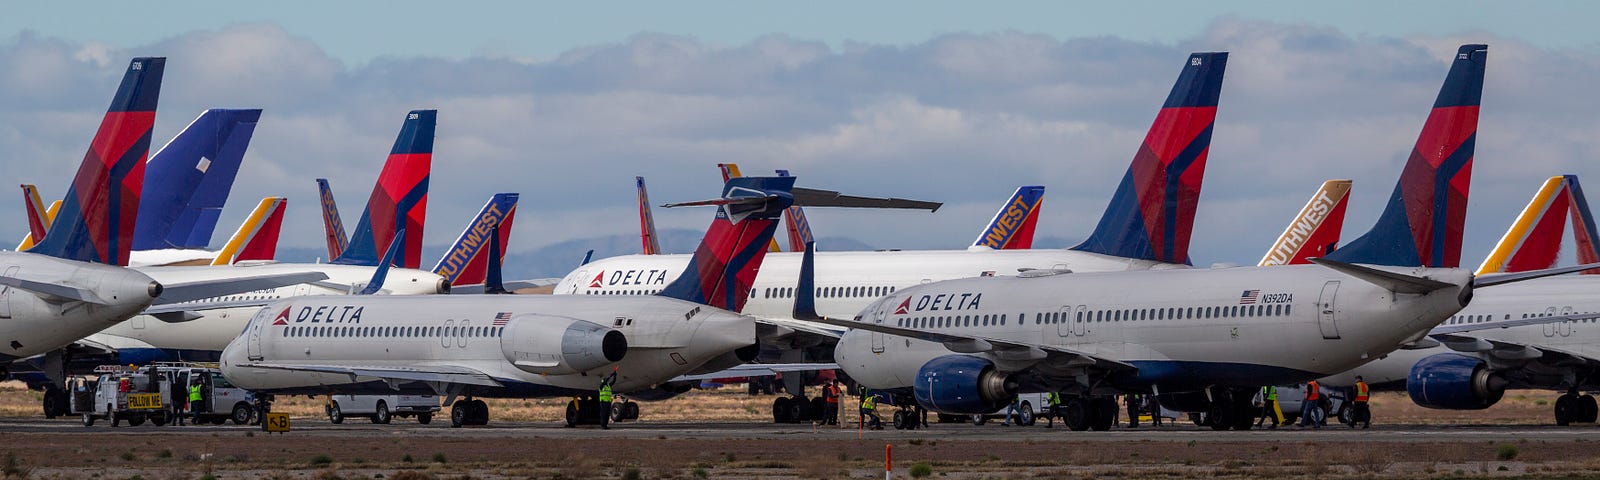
pixel 1311 390
pixel 834 390
pixel 1361 391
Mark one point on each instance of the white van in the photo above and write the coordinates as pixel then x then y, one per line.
pixel 380 408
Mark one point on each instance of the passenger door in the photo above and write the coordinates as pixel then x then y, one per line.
pixel 877 338
pixel 253 350
pixel 1327 310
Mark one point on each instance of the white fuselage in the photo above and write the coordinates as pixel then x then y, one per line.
pixel 1562 295
pixel 847 281
pixel 204 338
pixel 665 338
pixel 1182 329
pixel 31 325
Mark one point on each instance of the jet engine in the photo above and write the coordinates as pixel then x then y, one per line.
pixel 1454 381
pixel 728 360
pixel 544 344
pixel 962 384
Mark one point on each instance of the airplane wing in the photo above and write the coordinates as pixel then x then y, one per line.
pixel 1512 350
pixel 783 326
pixel 423 373
pixel 1473 327
pixel 191 291
pixel 1002 348
pixel 758 370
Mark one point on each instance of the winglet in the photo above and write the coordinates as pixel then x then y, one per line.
pixel 1394 282
pixel 37 218
pixel 647 222
pixel 399 200
pixel 382 271
pixel 1426 214
pixel 589 255
pixel 97 217
pixel 332 225
pixel 492 282
pixel 257 237
pixel 1315 231
pixel 1151 216
pixel 465 263
pixel 1013 224
pixel 805 291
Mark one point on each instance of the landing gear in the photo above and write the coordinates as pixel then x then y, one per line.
pixel 1574 408
pixel 624 411
pixel 1076 414
pixel 469 411
pixel 1587 409
pixel 1232 409
pixel 55 401
pixel 1102 413
pixel 796 409
pixel 910 418
pixel 586 410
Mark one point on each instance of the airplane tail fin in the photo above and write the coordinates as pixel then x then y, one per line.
pixel 1422 224
pixel 1315 231
pixel 647 222
pixel 1533 242
pixel 799 229
pixel 1013 225
pixel 381 273
pixel 724 265
pixel 38 219
pixel 332 225
pixel 257 237
pixel 399 201
pixel 96 220
pixel 189 180
pixel 467 261
pixel 1151 215
pixel 731 170
pixel 49 216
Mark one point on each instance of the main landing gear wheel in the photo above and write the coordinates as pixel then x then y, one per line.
pixel 55 402
pixel 469 412
pixel 1587 409
pixel 1103 412
pixel 781 411
pixel 1075 413
pixel 1566 409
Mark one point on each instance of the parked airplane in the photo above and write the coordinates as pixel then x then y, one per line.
pixel 1541 334
pixel 1315 230
pixel 1145 226
pixel 528 346
pixel 467 261
pixel 399 200
pixel 1188 336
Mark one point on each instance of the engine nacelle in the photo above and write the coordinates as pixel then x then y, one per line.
pixel 962 384
pixel 1454 381
pixel 662 392
pixel 550 345
pixel 728 360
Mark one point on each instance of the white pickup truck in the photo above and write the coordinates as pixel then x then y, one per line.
pixel 380 408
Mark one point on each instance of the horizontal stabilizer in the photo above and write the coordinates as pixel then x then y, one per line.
pixel 191 291
pixel 51 292
pixel 1394 282
pixel 809 197
pixel 1502 279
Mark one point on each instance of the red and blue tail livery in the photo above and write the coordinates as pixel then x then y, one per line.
pixel 1013 225
pixel 467 261
pixel 400 198
pixel 1151 215
pixel 189 179
pixel 1422 224
pixel 96 220
pixel 38 218
pixel 724 265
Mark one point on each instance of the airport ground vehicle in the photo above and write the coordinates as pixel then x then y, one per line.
pixel 121 393
pixel 220 400
pixel 381 408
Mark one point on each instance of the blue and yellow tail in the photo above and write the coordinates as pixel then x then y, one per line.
pixel 400 198
pixel 1422 224
pixel 96 220
pixel 467 261
pixel 188 180
pixel 1151 216
pixel 799 229
pixel 724 265
pixel 1014 224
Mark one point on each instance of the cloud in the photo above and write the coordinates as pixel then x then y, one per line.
pixel 961 118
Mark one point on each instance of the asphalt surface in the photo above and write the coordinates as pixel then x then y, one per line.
pixel 963 432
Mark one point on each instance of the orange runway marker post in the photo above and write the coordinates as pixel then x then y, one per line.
pixel 888 460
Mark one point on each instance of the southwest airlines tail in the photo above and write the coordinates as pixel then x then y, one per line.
pixel 96 220
pixel 1152 213
pixel 38 217
pixel 724 265
pixel 400 198
pixel 189 180
pixel 1422 224
pixel 651 245
pixel 799 229
pixel 1315 231
pixel 1534 240
pixel 1013 225
pixel 257 237
pixel 467 261
pixel 332 226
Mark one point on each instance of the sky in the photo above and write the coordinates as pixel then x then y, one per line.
pixel 948 101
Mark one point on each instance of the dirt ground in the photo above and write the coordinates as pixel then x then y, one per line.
pixel 940 453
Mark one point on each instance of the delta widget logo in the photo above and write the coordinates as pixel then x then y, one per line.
pixel 282 318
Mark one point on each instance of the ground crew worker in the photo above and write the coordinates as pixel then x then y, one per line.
pixel 1054 409
pixel 605 400
pixel 1155 410
pixel 1270 411
pixel 1133 409
pixel 1309 405
pixel 1362 413
pixel 195 400
pixel 1012 409
pixel 869 409
pixel 830 405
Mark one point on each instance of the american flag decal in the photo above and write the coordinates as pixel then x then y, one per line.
pixel 501 318
pixel 1249 297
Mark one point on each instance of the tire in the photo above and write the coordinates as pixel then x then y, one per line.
pixel 900 420
pixel 1565 409
pixel 618 413
pixel 781 412
pixel 632 410
pixel 979 419
pixel 1221 418
pixel 381 414
pixel 88 419
pixel 1026 417
pixel 240 416
pixel 52 403
pixel 335 415
pixel 480 413
pixel 1104 411
pixel 1075 414
pixel 458 414
pixel 1587 409
pixel 136 420
pixel 425 418
pixel 1347 414
pixel 159 419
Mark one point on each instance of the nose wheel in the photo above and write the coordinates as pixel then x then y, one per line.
pixel 469 411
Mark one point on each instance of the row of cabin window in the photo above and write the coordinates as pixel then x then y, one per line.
pixel 990 320
pixel 1469 319
pixel 621 292
pixel 232 298
pixel 830 292
pixel 392 332
pixel 1170 313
